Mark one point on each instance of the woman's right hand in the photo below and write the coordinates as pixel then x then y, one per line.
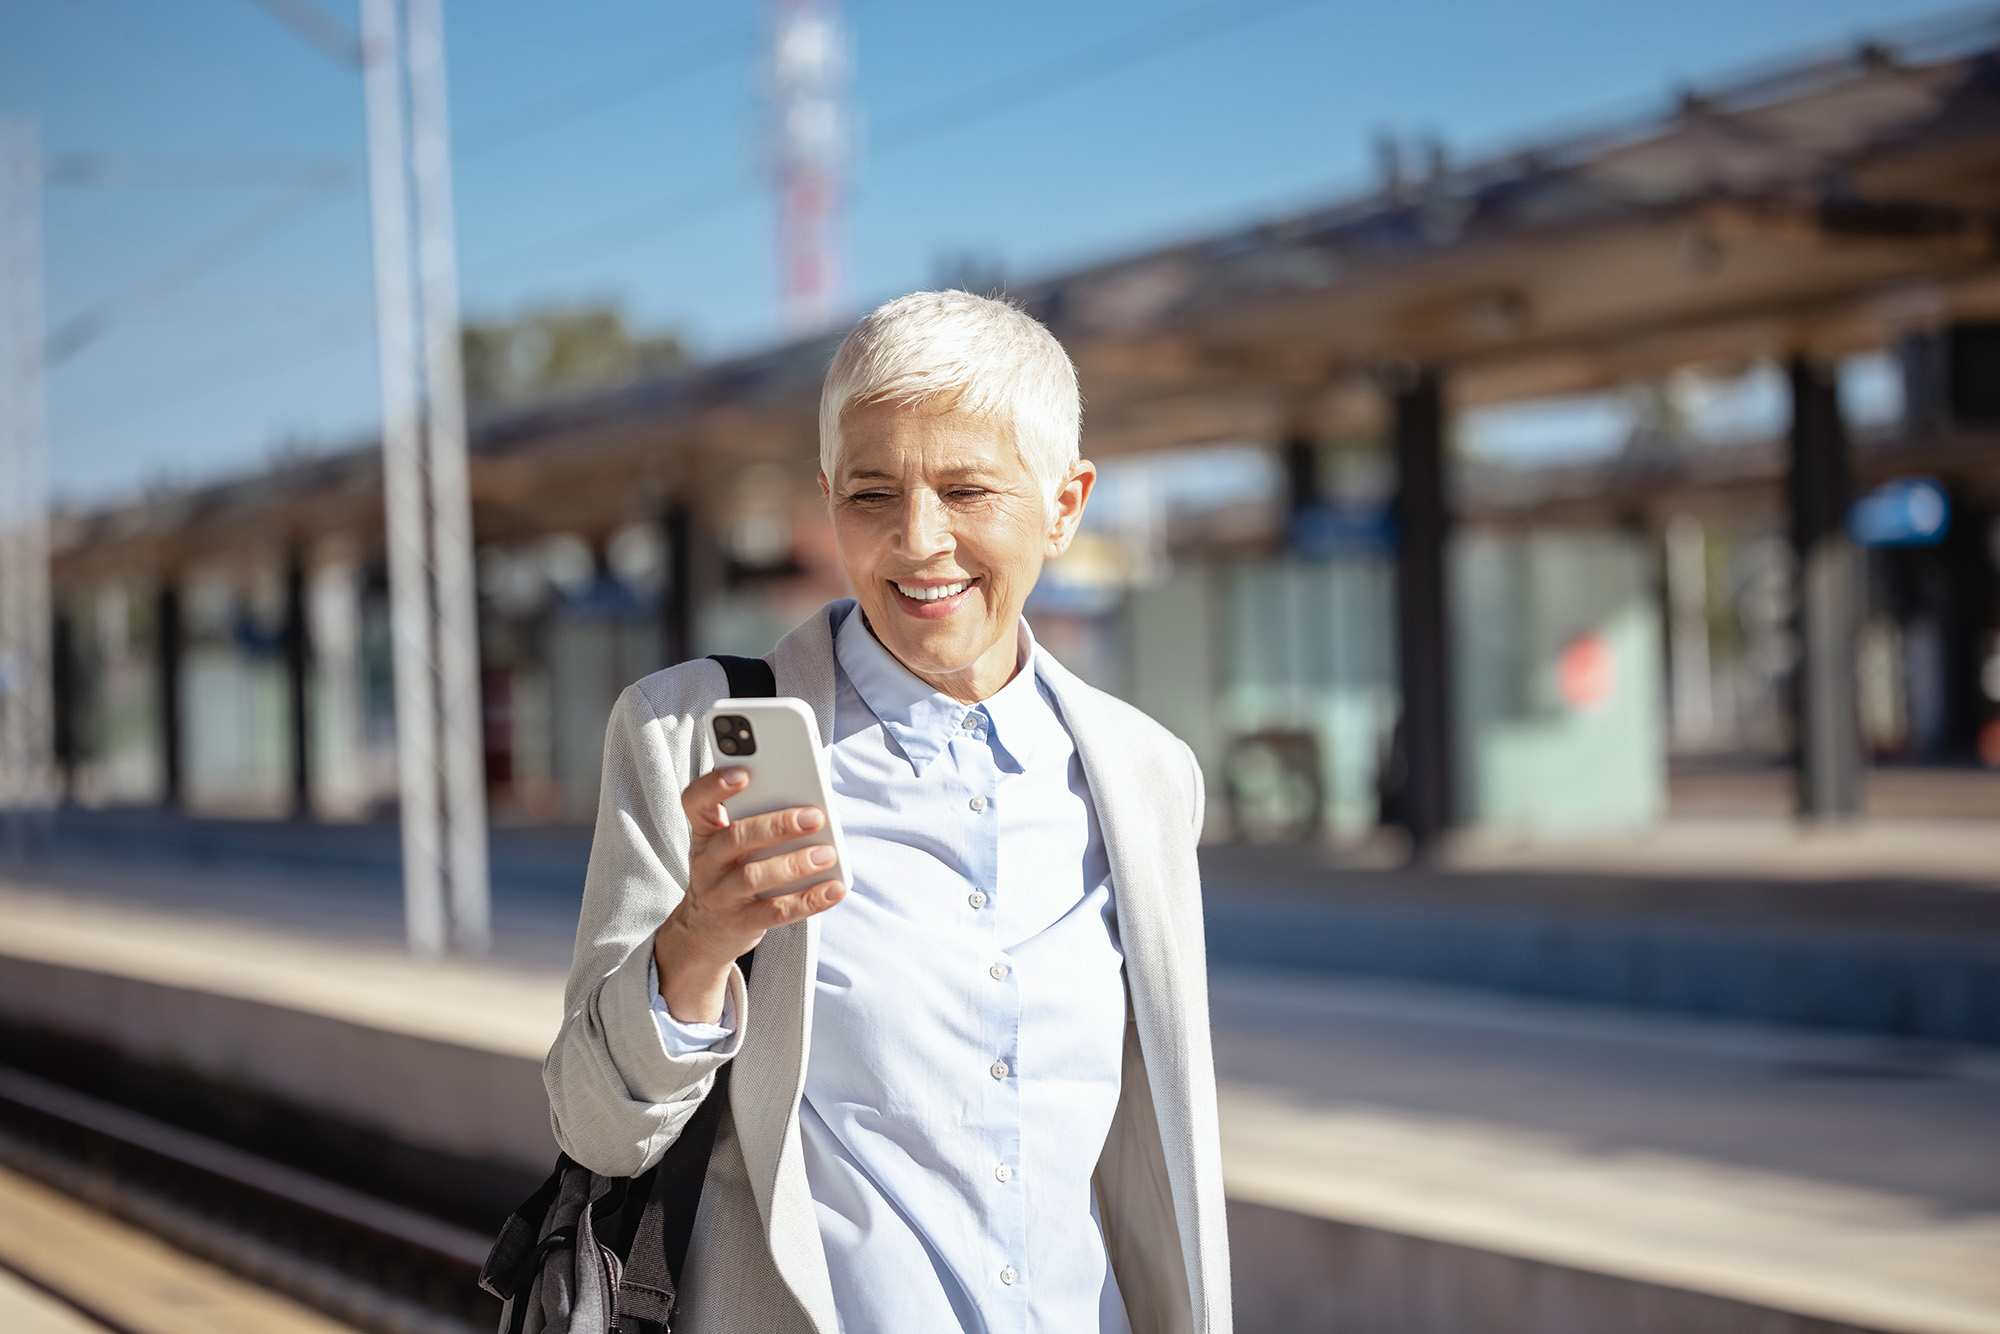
pixel 720 917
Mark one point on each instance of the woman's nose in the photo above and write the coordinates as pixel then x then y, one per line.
pixel 926 525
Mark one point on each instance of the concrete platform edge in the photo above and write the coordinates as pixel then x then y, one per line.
pixel 1294 1272
pixel 432 1094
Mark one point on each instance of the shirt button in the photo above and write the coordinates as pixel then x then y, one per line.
pixel 999 1070
pixel 1003 1173
pixel 977 898
pixel 998 972
pixel 978 803
pixel 1008 1276
pixel 970 722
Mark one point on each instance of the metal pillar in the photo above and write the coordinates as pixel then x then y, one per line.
pixel 433 617
pixel 1830 772
pixel 27 732
pixel 677 607
pixel 1302 480
pixel 297 684
pixel 1423 660
pixel 64 688
pixel 167 682
pixel 1690 674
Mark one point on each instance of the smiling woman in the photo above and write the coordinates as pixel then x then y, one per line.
pixel 948 452
pixel 981 1078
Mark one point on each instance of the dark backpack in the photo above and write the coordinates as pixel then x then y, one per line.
pixel 591 1254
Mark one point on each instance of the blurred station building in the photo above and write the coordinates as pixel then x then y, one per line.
pixel 1508 494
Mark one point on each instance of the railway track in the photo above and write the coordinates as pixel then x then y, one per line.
pixel 367 1263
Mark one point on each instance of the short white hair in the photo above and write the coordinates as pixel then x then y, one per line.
pixel 971 353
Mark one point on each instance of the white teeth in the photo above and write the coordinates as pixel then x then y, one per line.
pixel 933 594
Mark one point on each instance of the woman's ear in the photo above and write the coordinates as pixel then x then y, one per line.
pixel 1069 503
pixel 825 488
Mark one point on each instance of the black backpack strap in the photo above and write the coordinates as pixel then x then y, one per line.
pixel 648 1287
pixel 749 678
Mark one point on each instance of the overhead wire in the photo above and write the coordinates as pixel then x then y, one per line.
pixel 326 177
pixel 318 27
pixel 334 175
pixel 555 109
pixel 86 327
pixel 184 170
pixel 1073 69
pixel 241 356
pixel 958 111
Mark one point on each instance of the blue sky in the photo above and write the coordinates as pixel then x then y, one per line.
pixel 610 149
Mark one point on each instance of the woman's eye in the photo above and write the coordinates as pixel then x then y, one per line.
pixel 967 492
pixel 866 496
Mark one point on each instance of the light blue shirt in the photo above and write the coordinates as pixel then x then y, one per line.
pixel 969 1015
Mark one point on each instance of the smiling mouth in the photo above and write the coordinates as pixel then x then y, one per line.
pixel 934 593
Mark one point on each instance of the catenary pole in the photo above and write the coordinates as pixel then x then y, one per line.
pixel 433 611
pixel 411 609
pixel 461 736
pixel 27 759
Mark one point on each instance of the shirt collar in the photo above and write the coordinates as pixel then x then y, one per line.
pixel 923 721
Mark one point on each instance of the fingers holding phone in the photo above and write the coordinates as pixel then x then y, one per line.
pixel 760 856
pixel 764 849
pixel 775 743
pixel 739 867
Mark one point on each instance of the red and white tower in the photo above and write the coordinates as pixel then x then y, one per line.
pixel 809 67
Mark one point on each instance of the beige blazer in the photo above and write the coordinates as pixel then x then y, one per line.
pixel 618 1100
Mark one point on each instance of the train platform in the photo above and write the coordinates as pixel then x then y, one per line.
pixel 1400 1157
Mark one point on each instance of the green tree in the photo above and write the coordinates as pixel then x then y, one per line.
pixel 559 349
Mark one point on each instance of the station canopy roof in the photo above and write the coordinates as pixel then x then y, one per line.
pixel 1819 207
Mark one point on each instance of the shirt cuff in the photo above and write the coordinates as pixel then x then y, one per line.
pixel 679 1039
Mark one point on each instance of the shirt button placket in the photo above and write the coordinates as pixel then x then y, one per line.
pixel 983 775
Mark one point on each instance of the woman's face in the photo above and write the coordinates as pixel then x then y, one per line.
pixel 942 531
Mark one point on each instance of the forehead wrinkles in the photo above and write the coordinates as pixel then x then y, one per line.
pixel 894 442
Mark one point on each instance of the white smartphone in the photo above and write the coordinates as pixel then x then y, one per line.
pixel 777 740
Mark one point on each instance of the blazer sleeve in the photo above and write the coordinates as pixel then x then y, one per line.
pixel 617 1097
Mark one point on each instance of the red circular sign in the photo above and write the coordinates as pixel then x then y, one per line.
pixel 1586 671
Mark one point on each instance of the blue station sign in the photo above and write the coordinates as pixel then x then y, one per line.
pixel 1908 512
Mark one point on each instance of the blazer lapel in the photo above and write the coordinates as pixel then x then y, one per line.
pixel 771 1068
pixel 1159 928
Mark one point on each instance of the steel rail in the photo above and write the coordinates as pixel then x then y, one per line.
pixel 370 1262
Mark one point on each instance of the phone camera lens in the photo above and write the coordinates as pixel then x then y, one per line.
pixel 733 735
